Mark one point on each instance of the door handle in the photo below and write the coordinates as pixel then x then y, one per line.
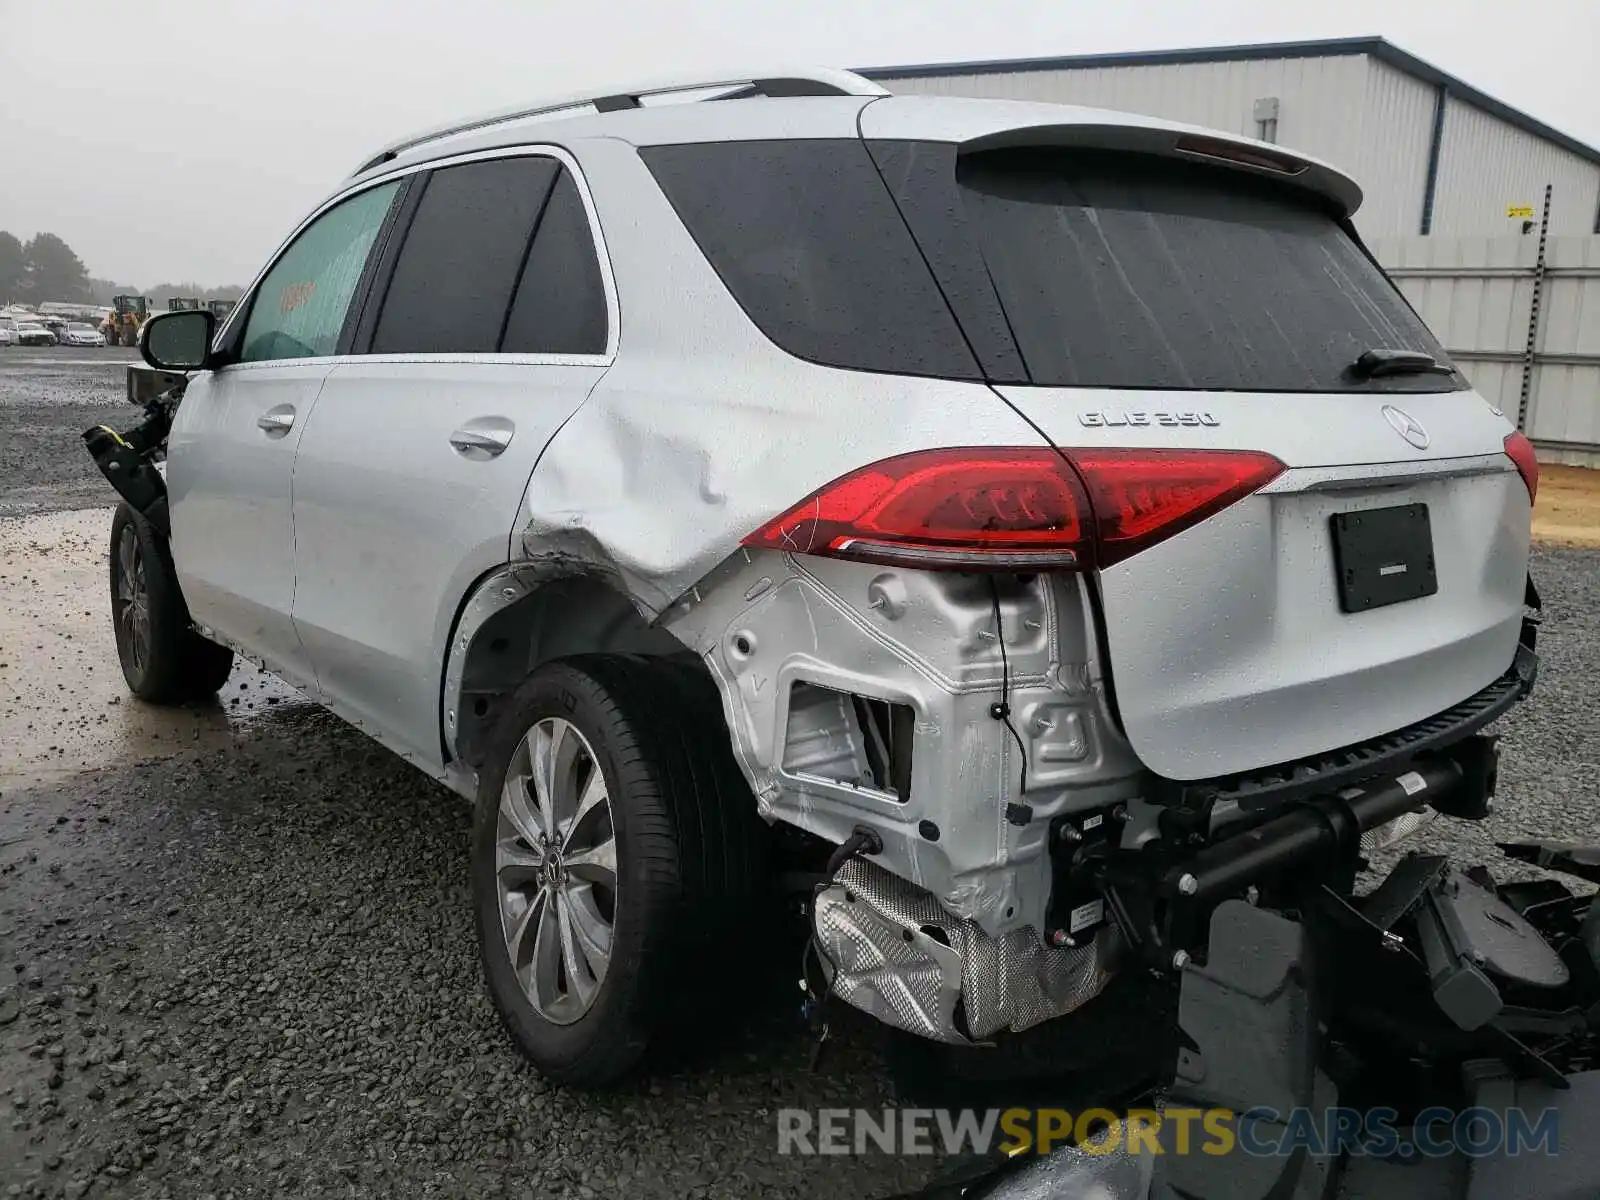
pixel 276 422
pixel 482 439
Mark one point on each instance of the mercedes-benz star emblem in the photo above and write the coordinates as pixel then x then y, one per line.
pixel 1406 426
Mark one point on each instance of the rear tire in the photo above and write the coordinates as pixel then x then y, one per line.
pixel 684 840
pixel 163 659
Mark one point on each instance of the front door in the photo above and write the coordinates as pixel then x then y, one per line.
pixel 232 447
pixel 492 328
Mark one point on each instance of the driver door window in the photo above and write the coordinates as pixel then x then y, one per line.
pixel 299 310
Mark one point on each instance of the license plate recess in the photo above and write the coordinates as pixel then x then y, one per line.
pixel 1383 556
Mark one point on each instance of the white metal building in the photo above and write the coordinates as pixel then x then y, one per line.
pixel 1455 185
pixel 1433 154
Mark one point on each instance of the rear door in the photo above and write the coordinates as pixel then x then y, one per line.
pixel 232 446
pixel 491 322
pixel 1175 303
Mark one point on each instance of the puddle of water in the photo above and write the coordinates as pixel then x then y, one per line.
pixel 64 706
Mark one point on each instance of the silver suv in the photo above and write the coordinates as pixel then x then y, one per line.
pixel 1009 521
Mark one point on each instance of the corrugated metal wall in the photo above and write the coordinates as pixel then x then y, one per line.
pixel 1487 164
pixel 1395 128
pixel 1565 412
pixel 1360 114
pixel 1316 94
pixel 1476 294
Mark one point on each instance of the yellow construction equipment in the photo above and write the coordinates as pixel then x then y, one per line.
pixel 128 314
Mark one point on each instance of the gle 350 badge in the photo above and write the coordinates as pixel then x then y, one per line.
pixel 1115 417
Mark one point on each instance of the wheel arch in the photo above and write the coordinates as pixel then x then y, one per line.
pixel 519 617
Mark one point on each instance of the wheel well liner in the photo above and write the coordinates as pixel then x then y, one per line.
pixel 511 624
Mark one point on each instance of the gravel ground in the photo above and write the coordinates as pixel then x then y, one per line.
pixel 1550 746
pixel 47 398
pixel 252 972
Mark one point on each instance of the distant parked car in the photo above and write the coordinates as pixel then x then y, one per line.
pixel 31 334
pixel 79 334
pixel 8 334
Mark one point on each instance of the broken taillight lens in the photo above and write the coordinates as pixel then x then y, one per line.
pixel 1520 451
pixel 1015 508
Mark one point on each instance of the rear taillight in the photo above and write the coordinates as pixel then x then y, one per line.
pixel 1141 497
pixel 1520 451
pixel 1014 509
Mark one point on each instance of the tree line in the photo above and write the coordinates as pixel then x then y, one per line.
pixel 46 268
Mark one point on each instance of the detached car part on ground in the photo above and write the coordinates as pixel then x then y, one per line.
pixel 1051 521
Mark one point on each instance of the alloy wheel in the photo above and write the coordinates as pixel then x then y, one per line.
pixel 556 870
pixel 132 599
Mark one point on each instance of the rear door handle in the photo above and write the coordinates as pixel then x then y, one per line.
pixel 483 438
pixel 276 422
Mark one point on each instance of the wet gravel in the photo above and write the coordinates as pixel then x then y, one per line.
pixel 252 972
pixel 48 397
pixel 1550 745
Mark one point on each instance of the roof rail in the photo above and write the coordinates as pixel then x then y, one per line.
pixel 818 81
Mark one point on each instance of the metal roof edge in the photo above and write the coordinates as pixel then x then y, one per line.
pixel 1379 48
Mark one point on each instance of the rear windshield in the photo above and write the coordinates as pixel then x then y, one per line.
pixel 1125 270
pixel 1100 269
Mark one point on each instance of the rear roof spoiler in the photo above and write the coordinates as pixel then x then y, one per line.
pixel 992 124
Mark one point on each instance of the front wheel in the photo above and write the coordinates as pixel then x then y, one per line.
pixel 614 834
pixel 163 659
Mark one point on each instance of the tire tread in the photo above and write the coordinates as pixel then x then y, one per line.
pixel 693 837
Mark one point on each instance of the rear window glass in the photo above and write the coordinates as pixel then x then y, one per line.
pixel 809 241
pixel 1129 271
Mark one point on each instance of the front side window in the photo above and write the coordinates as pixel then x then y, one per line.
pixel 300 308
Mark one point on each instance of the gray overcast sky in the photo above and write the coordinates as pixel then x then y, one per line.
pixel 181 139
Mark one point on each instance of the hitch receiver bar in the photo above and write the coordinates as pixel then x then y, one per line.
pixel 1312 830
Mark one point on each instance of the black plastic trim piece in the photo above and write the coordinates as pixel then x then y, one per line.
pixel 1322 773
pixel 363 314
pixel 1430 182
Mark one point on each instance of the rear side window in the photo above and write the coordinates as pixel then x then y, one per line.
pixel 1132 271
pixel 300 308
pixel 560 305
pixel 809 242
pixel 462 256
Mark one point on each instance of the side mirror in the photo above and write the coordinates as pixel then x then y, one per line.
pixel 178 341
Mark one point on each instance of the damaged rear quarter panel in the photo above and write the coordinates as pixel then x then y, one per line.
pixel 702 431
pixel 774 628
